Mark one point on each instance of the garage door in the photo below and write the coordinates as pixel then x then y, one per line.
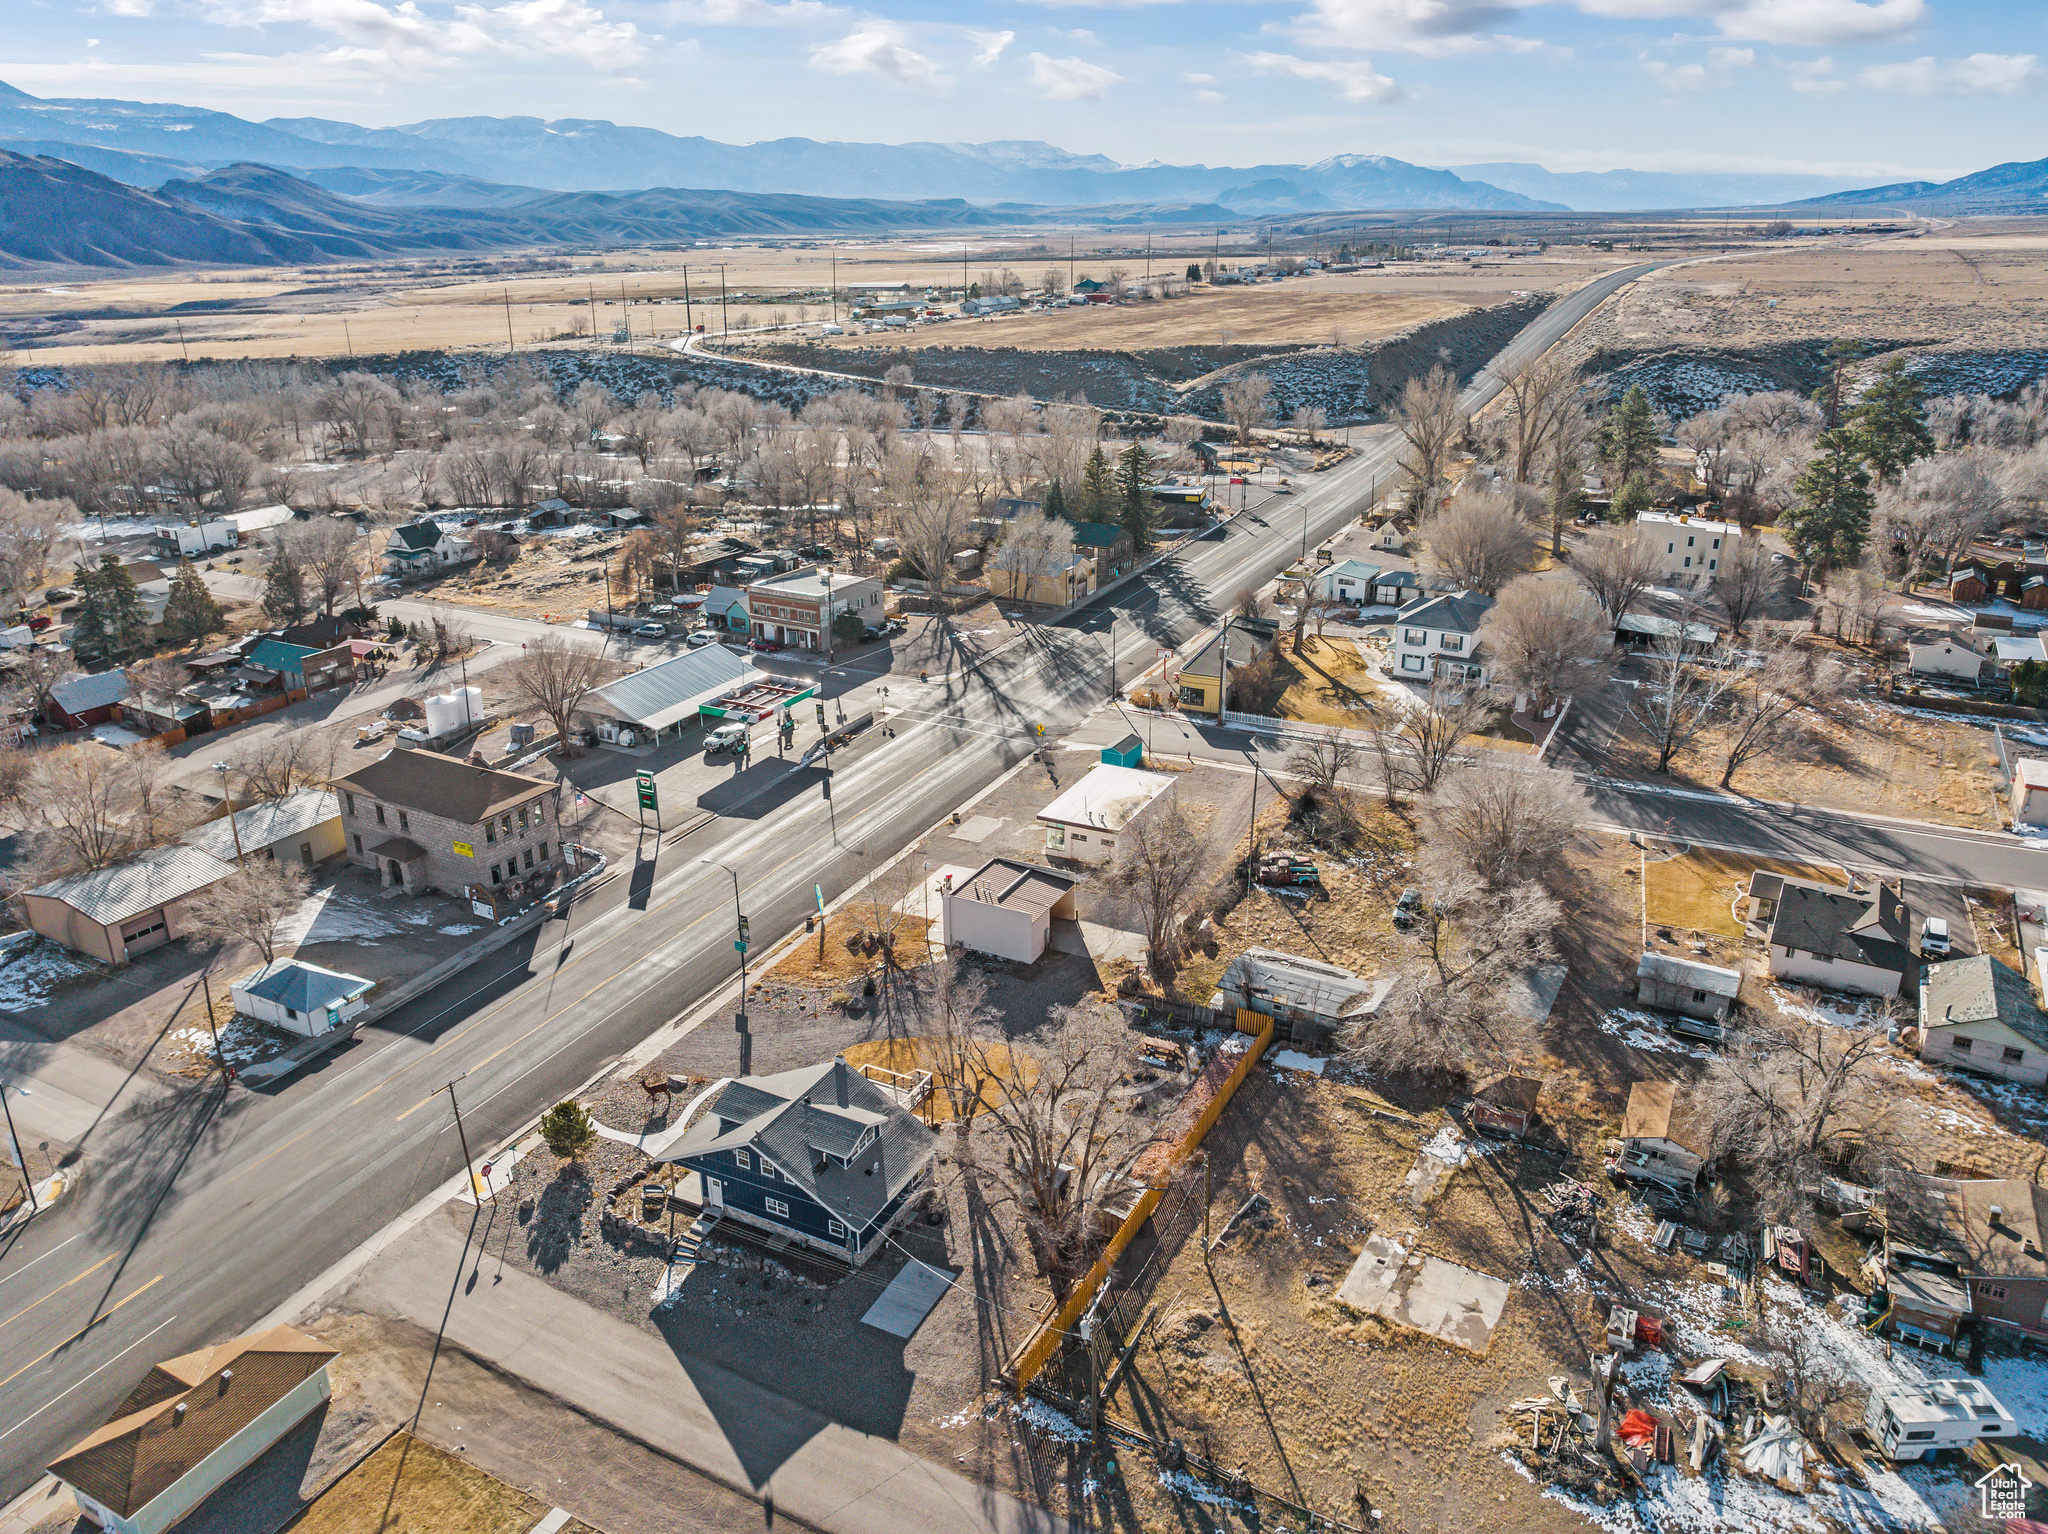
pixel 145 933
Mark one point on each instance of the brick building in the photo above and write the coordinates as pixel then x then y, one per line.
pixel 426 821
pixel 797 609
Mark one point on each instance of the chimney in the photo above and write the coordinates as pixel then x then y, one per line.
pixel 839 1078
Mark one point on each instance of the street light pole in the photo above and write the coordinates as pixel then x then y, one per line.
pixel 14 1139
pixel 740 942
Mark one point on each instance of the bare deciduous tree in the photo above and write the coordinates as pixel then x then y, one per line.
pixel 1618 569
pixel 1324 759
pixel 81 804
pixel 1159 865
pixel 1745 582
pixel 1938 507
pixel 1547 638
pixel 1247 402
pixel 555 677
pixel 1532 395
pixel 1792 1106
pixel 1678 697
pixel 1036 548
pixel 1480 540
pixel 1065 1145
pixel 1415 749
pixel 1776 701
pixel 1430 421
pixel 252 904
pixel 281 764
pixel 1508 823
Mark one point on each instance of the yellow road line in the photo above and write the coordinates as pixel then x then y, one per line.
pixel 95 1321
pixel 31 1305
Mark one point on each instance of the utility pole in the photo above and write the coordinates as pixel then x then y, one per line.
pixel 689 325
pixel 625 314
pixel 1148 260
pixel 834 291
pixel 739 1021
pixel 228 799
pixel 724 314
pixel 206 990
pixel 511 345
pixel 435 1355
pixel 347 339
pixel 183 350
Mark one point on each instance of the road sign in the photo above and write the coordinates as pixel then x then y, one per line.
pixel 743 932
pixel 819 891
pixel 649 799
pixel 821 713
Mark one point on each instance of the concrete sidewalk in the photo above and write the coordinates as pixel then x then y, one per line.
pixel 823 1474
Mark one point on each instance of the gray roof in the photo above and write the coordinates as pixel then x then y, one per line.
pixel 1014 885
pixel 672 690
pixel 1262 978
pixel 112 895
pixel 441 785
pixel 303 987
pixel 1457 612
pixel 1979 989
pixel 264 825
pixel 76 694
pixel 798 1118
pixel 1665 628
pixel 416 535
pixel 1673 970
pixel 1861 929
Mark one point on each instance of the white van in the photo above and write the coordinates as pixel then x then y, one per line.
pixel 831 330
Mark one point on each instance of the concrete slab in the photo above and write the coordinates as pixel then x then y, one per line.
pixel 908 1300
pixel 923 898
pixel 977 828
pixel 1088 940
pixel 1534 992
pixel 1426 1294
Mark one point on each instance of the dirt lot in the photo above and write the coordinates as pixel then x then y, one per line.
pixel 1866 756
pixel 411 1487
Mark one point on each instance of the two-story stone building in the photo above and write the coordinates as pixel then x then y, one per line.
pixel 426 821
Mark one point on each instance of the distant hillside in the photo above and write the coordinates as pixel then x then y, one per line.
pixel 1634 191
pixel 2019 186
pixel 54 212
pixel 420 188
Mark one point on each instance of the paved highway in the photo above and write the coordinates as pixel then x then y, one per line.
pixel 204 1209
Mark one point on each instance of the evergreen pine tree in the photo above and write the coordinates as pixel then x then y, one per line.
pixel 1134 494
pixel 1890 422
pixel 1628 440
pixel 1632 499
pixel 1098 489
pixel 110 620
pixel 1831 521
pixel 88 618
pixel 284 592
pixel 191 614
pixel 1054 502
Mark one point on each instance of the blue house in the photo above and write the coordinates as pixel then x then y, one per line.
pixel 822 1156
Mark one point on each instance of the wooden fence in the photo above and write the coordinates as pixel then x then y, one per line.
pixel 1155 1168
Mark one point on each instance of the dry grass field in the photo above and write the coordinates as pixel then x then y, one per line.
pixel 333 312
pixel 1959 288
pixel 410 1487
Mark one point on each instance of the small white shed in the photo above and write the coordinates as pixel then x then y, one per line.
pixel 302 998
pixel 1006 908
pixel 2030 791
pixel 1085 821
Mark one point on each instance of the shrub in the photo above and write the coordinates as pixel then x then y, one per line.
pixel 568 1130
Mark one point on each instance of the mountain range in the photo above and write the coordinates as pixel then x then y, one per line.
pixel 2018 186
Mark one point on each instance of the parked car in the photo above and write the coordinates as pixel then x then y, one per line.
pixel 765 646
pixel 700 637
pixel 1408 907
pixel 1934 937
pixel 727 737
pixel 651 630
pixel 60 594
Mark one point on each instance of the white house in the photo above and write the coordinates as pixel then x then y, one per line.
pixel 1348 580
pixel 1085 821
pixel 1440 636
pixel 1685 546
pixel 1952 659
pixel 1006 908
pixel 302 998
pixel 1824 936
pixel 190 1425
pixel 1980 1015
pixel 1662 1137
pixel 2030 791
pixel 421 548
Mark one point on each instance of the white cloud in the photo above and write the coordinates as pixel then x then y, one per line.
pixel 1731 58
pixel 92 42
pixel 128 7
pixel 1071 79
pixel 880 48
pixel 1804 23
pixel 988 47
pixel 1355 79
pixel 1430 28
pixel 1194 77
pixel 1981 74
pixel 401 40
pixel 1678 77
pixel 750 13
pixel 565 29
pixel 1211 97
pixel 1819 87
pixel 1082 35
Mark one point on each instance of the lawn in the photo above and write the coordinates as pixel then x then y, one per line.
pixel 1329 682
pixel 1697 891
pixel 433 1493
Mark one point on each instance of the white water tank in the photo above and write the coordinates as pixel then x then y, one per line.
pixel 452 711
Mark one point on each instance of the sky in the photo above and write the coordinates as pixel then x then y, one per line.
pixel 1877 89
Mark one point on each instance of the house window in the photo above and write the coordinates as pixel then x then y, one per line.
pixel 491 832
pixel 743 1160
pixel 1992 1291
pixel 1688 562
pixel 1699 995
pixel 1671 548
pixel 776 1207
pixel 1689 542
pixel 1959 1045
pixel 496 878
pixel 522 817
pixel 1713 564
pixel 1414 636
pixel 543 852
pixel 380 815
pixel 1414 663
pixel 350 801
pixel 1452 643
pixel 529 857
pixel 539 811
pixel 359 846
pixel 2014 1056
pixel 506 821
pixel 768 1169
pixel 1194 697
pixel 404 821
pixel 836 1228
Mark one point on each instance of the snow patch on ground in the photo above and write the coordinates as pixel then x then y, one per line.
pixel 1452 1148
pixel 1640 1030
pixel 328 917
pixel 1295 1060
pixel 42 967
pixel 1834 1011
pixel 1049 1420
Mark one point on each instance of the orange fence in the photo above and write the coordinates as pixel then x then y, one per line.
pixel 1205 1101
